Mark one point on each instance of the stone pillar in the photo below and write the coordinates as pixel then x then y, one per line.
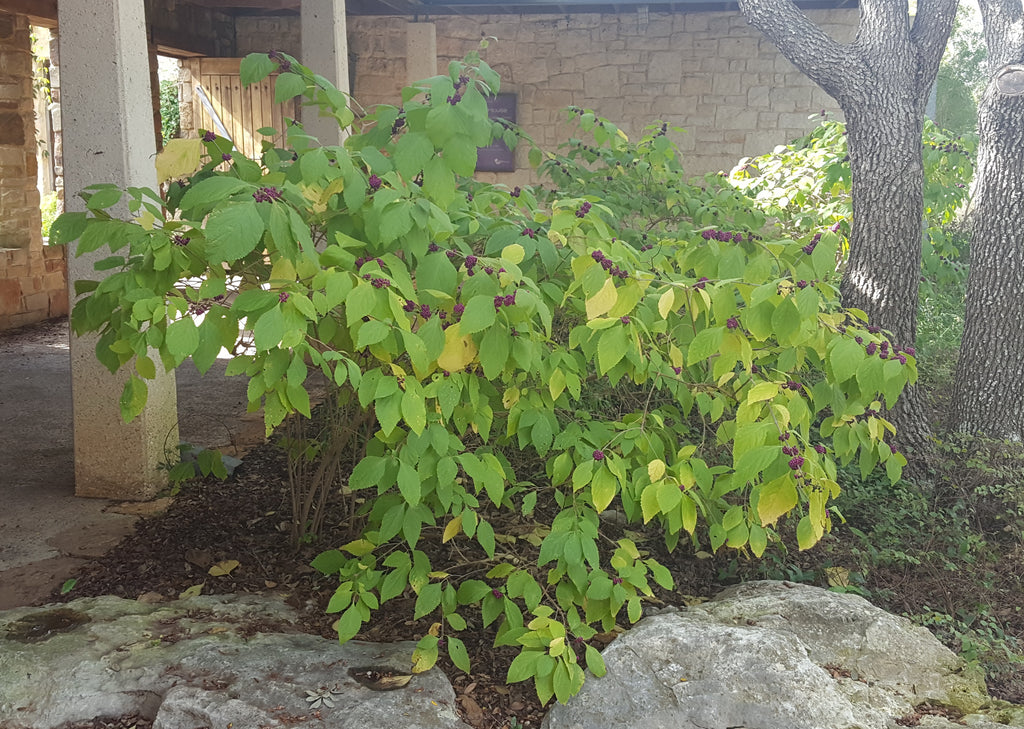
pixel 109 137
pixel 420 51
pixel 325 51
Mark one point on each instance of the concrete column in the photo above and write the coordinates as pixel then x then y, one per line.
pixel 420 51
pixel 325 51
pixel 109 137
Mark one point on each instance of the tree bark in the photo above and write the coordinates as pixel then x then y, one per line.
pixel 881 81
pixel 989 386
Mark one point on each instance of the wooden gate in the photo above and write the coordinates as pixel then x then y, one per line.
pixel 242 109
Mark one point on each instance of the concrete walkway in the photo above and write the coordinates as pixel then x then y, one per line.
pixel 46 533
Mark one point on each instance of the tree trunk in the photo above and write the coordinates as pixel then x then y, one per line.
pixel 989 387
pixel 881 81
pixel 883 271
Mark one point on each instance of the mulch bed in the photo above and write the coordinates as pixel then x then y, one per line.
pixel 246 519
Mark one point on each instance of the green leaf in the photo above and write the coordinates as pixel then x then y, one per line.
pixel 233 232
pixel 523 666
pixel 372 332
pixel 485 537
pixel 255 67
pixel 805 536
pixel 288 86
pixel 603 488
pixel 595 662
pixel 205 194
pixel 367 473
pixel 786 321
pixel 329 562
pixel 133 398
pixel 412 152
pixel 611 348
pixel 182 338
pixel 67 227
pixel 479 314
pixel 409 484
pixel 349 624
pixel 845 357
pixel 458 653
pixel 414 409
pixel 428 600
pixel 269 329
pixel 706 343
pixel 494 351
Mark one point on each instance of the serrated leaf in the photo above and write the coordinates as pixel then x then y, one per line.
pixel 425 655
pixel 656 469
pixel 666 302
pixel 602 302
pixel 178 158
pixel 233 232
pixel 478 315
pixel 458 653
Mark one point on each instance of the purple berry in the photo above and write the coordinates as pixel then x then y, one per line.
pixel 598 455
pixel 796 462
pixel 374 183
pixel 732 323
pixel 282 297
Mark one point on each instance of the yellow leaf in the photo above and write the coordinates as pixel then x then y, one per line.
pixel 838 576
pixel 557 238
pixel 666 303
pixel 180 157
pixel 451 529
pixel 146 220
pixel 776 498
pixel 511 397
pixel 514 253
pixel 283 271
pixel 762 391
pixel 675 355
pixel 435 629
pixel 224 568
pixel 656 469
pixel 422 661
pixel 458 351
pixel 603 301
pixel 359 547
pixel 438 575
pixel 194 591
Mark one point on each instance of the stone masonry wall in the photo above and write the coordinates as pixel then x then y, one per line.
pixel 708 72
pixel 19 199
pixel 32 277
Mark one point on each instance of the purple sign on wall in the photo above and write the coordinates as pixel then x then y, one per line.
pixel 497 157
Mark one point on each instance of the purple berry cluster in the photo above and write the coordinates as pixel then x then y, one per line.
pixel 267 194
pixel 209 137
pixel 791 450
pixel 460 87
pixel 374 183
pixel 366 259
pixel 732 323
pixel 701 282
pixel 583 210
pixel 722 235
pixel 599 455
pixel 283 296
pixel 792 385
pixel 283 64
pixel 951 147
pixel 809 248
pixel 796 462
pixel 180 240
pixel 506 300
pixel 530 233
pixel 609 265
pixel 516 191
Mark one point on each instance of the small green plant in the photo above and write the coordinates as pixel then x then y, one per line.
pixel 170 111
pixel 465 323
pixel 68 585
pixel 48 210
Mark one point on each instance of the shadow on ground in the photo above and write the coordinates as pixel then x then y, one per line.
pixel 46 533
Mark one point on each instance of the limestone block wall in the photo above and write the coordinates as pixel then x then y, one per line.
pixel 708 72
pixel 19 199
pixel 32 277
pixel 33 285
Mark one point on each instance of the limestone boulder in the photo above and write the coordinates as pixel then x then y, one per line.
pixel 766 655
pixel 204 662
